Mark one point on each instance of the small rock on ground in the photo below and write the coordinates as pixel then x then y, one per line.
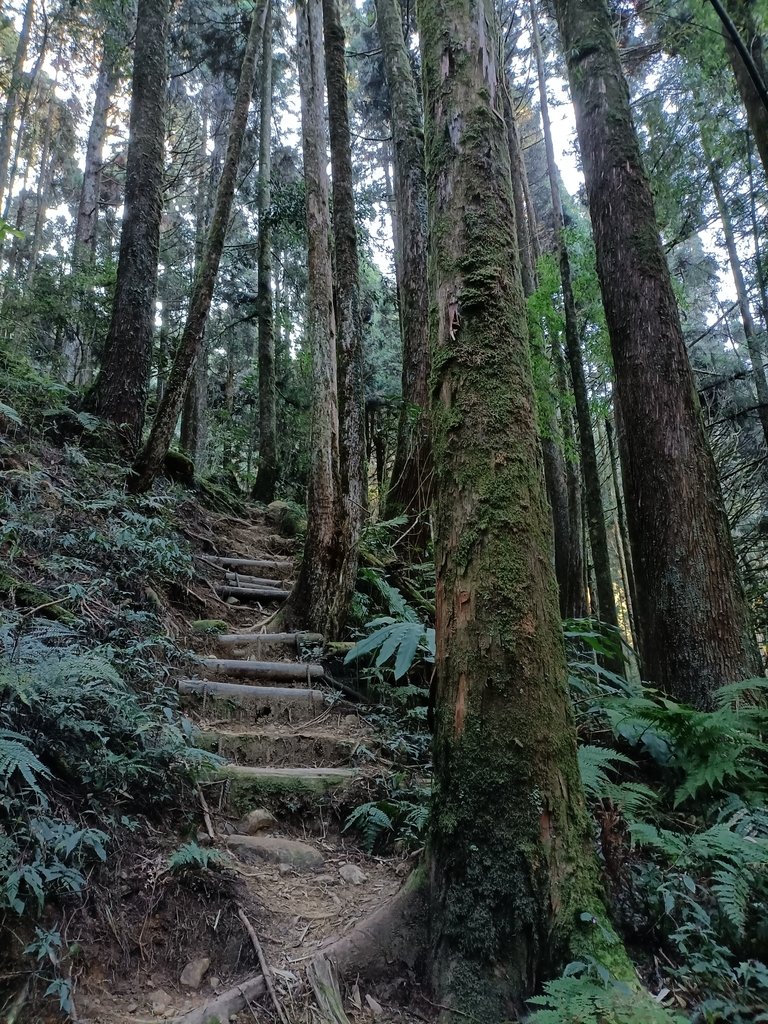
pixel 352 874
pixel 159 1001
pixel 193 974
pixel 255 821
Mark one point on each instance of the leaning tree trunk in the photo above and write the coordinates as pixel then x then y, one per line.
pixel 598 537
pixel 692 616
pixel 14 88
pixel 509 856
pixel 266 476
pixel 151 458
pixel 740 30
pixel 754 346
pixel 317 601
pixel 409 490
pixel 120 391
pixel 349 321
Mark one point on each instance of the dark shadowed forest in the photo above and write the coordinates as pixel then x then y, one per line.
pixel 384 511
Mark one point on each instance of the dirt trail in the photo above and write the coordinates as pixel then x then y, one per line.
pixel 296 757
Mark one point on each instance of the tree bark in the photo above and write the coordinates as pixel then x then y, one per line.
pixel 9 115
pixel 410 484
pixel 120 391
pixel 349 321
pixel 316 601
pixel 45 177
pixel 692 616
pixel 754 346
pixel 267 473
pixel 150 460
pixel 519 174
pixel 508 876
pixel 598 537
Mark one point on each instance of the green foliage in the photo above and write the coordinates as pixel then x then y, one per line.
pixel 592 997
pixel 404 641
pixel 401 818
pixel 191 858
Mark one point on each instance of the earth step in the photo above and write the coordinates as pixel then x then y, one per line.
pixel 252 786
pixel 298 670
pixel 278 850
pixel 266 747
pixel 242 702
pixel 291 639
pixel 280 565
pixel 253 593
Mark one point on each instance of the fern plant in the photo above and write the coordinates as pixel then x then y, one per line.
pixel 191 857
pixel 405 642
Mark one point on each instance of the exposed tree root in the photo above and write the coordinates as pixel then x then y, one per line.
pixel 391 937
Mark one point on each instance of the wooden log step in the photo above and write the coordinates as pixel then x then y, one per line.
pixel 280 564
pixel 264 669
pixel 246 771
pixel 275 746
pixel 290 639
pixel 292 693
pixel 238 580
pixel 253 593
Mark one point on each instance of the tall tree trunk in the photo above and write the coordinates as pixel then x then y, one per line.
pixel 508 875
pixel 410 484
pixel 120 391
pixel 316 600
pixel 267 474
pixel 45 177
pixel 195 409
pixel 528 269
pixel 754 345
pixel 574 602
pixel 621 522
pixel 598 537
pixel 751 78
pixel 349 322
pixel 9 115
pixel 87 220
pixel 150 460
pixel 693 621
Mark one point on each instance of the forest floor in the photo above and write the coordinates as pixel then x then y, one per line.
pixel 168 943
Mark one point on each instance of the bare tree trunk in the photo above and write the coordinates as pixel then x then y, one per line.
pixel 316 601
pixel 411 481
pixel 349 321
pixel 519 173
pixel 9 115
pixel 621 522
pixel 508 877
pixel 120 391
pixel 150 460
pixel 754 345
pixel 598 537
pixel 692 616
pixel 268 471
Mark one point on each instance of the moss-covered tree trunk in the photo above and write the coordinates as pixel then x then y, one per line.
pixel 120 391
pixel 509 854
pixel 318 601
pixel 409 489
pixel 691 613
pixel 353 470
pixel 267 473
pixel 598 536
pixel 151 458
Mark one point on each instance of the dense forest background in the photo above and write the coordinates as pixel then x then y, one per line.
pixel 318 267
